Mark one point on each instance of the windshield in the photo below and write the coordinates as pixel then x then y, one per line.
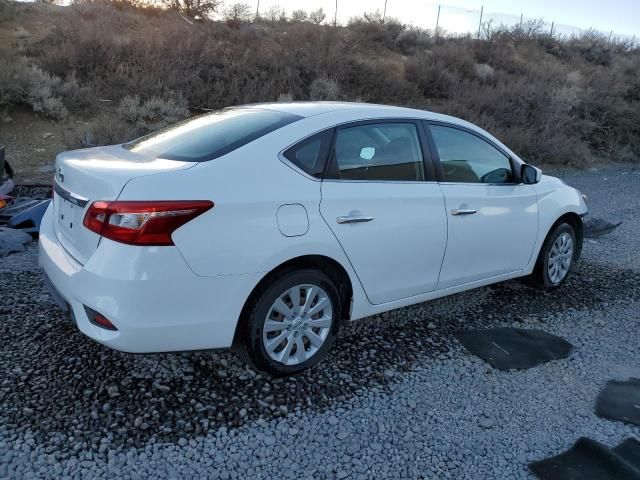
pixel 210 135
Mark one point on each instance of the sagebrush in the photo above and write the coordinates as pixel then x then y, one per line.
pixel 552 100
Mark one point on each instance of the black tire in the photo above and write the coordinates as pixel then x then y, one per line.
pixel 540 278
pixel 251 346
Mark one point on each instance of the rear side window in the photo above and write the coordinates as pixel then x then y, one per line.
pixel 311 153
pixel 380 151
pixel 211 135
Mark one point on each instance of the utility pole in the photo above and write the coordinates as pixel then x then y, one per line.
pixel 258 10
pixel 438 20
pixel 551 33
pixel 610 35
pixel 384 13
pixel 521 20
pixel 335 17
pixel 480 23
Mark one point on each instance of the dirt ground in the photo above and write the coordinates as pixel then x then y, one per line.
pixel 32 144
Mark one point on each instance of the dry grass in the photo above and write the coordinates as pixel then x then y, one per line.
pixel 553 101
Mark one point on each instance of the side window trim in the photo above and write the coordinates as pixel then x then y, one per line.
pixel 436 156
pixel 331 170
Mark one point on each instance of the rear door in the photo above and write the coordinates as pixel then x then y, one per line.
pixel 493 217
pixel 380 199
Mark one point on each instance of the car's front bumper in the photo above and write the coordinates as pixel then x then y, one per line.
pixel 150 294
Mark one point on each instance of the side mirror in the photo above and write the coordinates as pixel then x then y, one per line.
pixel 530 174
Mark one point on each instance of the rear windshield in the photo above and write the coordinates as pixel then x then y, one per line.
pixel 210 135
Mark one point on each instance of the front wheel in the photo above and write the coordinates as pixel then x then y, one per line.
pixel 293 323
pixel 556 259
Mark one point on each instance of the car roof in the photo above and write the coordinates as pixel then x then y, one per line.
pixel 309 109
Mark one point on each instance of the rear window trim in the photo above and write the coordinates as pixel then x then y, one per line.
pixel 287 119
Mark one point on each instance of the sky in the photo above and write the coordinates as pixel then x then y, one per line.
pixel 621 16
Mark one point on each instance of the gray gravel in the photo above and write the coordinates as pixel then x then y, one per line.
pixel 613 195
pixel 397 398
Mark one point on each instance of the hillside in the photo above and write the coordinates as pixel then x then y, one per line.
pixel 96 73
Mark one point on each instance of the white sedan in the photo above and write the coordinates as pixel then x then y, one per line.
pixel 264 227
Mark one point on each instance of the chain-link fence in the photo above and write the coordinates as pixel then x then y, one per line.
pixel 448 20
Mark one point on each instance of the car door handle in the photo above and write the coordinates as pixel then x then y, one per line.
pixel 354 219
pixel 463 211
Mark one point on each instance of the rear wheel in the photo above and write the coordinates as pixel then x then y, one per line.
pixel 292 323
pixel 556 258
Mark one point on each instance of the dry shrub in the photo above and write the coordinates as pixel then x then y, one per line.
pixel 22 83
pixel 154 113
pixel 132 118
pixel 285 97
pixel 484 71
pixel 413 40
pixel 432 76
pixel 551 100
pixel 324 88
pixel 106 129
pixel 369 29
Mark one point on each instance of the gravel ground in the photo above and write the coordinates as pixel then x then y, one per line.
pixel 397 398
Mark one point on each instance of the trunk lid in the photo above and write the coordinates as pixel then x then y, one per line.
pixel 85 176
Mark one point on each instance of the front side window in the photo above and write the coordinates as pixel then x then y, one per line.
pixel 467 158
pixel 382 151
pixel 211 135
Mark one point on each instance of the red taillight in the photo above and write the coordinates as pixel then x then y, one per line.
pixel 99 319
pixel 104 322
pixel 142 223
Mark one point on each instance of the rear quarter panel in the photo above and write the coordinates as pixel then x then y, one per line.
pixel 241 235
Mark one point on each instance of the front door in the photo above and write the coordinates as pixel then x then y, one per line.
pixel 492 218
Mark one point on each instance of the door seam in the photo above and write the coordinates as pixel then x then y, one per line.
pixel 446 237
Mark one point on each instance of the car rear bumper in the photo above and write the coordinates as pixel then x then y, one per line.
pixel 150 294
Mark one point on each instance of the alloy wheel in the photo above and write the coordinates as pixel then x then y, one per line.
pixel 560 258
pixel 297 324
